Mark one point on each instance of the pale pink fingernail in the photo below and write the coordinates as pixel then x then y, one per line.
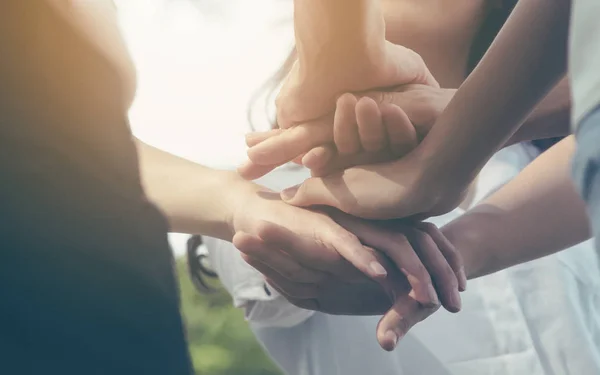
pixel 433 297
pixel 378 269
pixel 289 193
pixel 462 280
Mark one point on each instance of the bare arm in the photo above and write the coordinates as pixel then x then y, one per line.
pixel 195 199
pixel 551 118
pixel 536 214
pixel 335 37
pixel 525 61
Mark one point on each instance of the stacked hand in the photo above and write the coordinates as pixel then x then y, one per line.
pixel 375 171
pixel 366 128
pixel 310 262
pixel 310 257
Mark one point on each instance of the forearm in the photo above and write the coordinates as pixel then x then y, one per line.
pixel 195 199
pixel 551 118
pixel 527 59
pixel 334 36
pixel 536 214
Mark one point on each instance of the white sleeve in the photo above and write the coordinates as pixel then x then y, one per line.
pixel 263 306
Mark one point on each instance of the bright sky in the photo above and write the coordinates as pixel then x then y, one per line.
pixel 198 65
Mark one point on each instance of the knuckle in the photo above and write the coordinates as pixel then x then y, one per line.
pixel 428 311
pixel 454 259
pixel 264 229
pixel 421 274
pixel 427 227
pixel 404 324
pixel 449 277
pixel 343 236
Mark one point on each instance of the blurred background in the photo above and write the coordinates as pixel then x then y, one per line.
pixel 200 62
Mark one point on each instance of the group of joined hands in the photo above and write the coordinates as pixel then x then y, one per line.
pixel 359 245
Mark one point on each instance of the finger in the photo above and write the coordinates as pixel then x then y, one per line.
pixel 345 129
pixel 340 163
pixel 443 276
pixel 298 159
pixel 413 69
pixel 332 249
pixel 254 138
pixel 278 261
pixel 319 157
pixel 291 143
pixel 401 133
pixel 398 248
pixel 453 257
pixel 321 191
pixel 370 125
pixel 349 192
pixel 404 314
pixel 251 171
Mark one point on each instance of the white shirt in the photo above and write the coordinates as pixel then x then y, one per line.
pixel 584 57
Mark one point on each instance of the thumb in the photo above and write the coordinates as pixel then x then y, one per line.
pixel 409 66
pixel 318 191
pixel 395 324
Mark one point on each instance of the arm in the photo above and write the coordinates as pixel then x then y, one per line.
pixel 337 33
pixel 551 118
pixel 527 59
pixel 341 47
pixel 98 21
pixel 421 104
pixel 195 199
pixel 536 214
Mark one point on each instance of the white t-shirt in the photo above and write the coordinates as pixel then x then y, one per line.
pixel 584 57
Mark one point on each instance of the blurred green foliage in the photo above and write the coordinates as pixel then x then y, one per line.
pixel 221 342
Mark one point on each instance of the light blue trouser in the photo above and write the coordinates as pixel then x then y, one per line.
pixel 586 168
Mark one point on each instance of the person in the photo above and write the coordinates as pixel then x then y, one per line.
pixel 88 283
pixel 511 309
pixel 265 153
pixel 213 217
pixel 350 186
pixel 86 270
pixel 484 124
pixel 538 317
pixel 584 56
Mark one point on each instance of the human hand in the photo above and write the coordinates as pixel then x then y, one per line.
pixel 379 126
pixel 337 251
pixel 364 297
pixel 405 188
pixel 309 94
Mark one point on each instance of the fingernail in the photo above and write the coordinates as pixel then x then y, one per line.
pixel 289 193
pixel 456 301
pixel 391 337
pixel 378 269
pixel 462 280
pixel 433 297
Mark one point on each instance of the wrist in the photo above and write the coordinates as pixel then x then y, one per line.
pixel 240 196
pixel 190 213
pixel 444 167
pixel 328 38
pixel 472 234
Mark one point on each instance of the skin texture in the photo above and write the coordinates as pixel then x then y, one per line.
pixel 349 137
pixel 433 179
